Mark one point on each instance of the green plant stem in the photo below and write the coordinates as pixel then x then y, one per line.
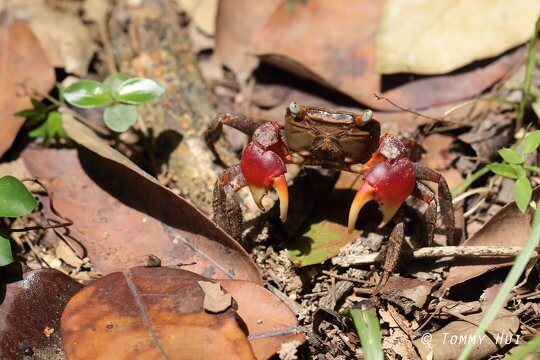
pixel 511 280
pixel 369 330
pixel 532 168
pixel 469 181
pixel 525 349
pixel 529 69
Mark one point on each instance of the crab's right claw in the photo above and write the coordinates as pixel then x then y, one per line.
pixel 263 166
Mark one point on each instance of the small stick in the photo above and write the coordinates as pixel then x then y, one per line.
pixel 434 252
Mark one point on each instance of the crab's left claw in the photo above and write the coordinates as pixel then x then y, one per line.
pixel 388 179
pixel 263 166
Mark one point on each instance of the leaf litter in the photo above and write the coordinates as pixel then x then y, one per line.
pixel 129 209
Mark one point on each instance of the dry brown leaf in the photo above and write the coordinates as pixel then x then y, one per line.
pixel 30 309
pixel 332 42
pixel 152 312
pixel 122 216
pixel 215 300
pixel 202 12
pixel 236 21
pixel 269 320
pixel 437 156
pixel 447 343
pixel 509 227
pixel 63 37
pixel 406 293
pixel 21 60
pixel 436 37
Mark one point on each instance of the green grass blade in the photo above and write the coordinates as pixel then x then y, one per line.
pixel 511 280
pixel 368 328
pixel 526 349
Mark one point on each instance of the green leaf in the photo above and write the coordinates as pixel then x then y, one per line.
pixel 15 199
pixel 532 141
pixel 114 80
pixel 27 113
pixel 511 156
pixel 51 130
pixel 503 170
pixel 120 117
pixel 368 329
pixel 6 257
pixel 523 193
pixel 87 94
pixel 137 90
pixel 519 169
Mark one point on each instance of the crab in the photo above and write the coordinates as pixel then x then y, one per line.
pixel 333 139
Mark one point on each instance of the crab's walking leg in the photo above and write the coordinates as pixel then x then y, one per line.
pixel 423 193
pixel 422 172
pixel 227 211
pixel 215 129
pixel 393 249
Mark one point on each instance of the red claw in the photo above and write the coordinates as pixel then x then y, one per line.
pixel 388 179
pixel 263 166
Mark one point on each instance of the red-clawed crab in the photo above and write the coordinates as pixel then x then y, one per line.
pixel 338 140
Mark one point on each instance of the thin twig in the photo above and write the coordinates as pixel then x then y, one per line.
pixel 433 252
pixel 68 221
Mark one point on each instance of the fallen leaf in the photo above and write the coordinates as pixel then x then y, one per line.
pixel 508 227
pixel 327 227
pixel 30 313
pixel 448 342
pixel 215 300
pixel 154 312
pixel 67 255
pixel 339 51
pixel 434 37
pixel 121 214
pixel 21 60
pixel 236 21
pixel 437 154
pixel 270 322
pixel 63 36
pixel 406 293
pixel 202 12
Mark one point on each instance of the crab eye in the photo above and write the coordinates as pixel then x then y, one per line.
pixel 294 108
pixel 367 115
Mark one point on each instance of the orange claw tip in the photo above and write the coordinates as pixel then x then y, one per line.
pixel 364 195
pixel 280 185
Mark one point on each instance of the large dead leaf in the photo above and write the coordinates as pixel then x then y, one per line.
pixel 327 227
pixel 434 37
pixel 269 320
pixel 333 42
pixel 121 216
pixel 21 60
pixel 448 342
pixel 509 227
pixel 63 36
pixel 149 313
pixel 30 313
pixel 236 21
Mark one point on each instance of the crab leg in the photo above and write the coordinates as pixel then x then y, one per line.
pixel 227 211
pixel 389 179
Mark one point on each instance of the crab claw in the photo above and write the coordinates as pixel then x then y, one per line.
pixel 263 166
pixel 388 179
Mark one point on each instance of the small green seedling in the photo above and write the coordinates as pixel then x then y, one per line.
pixel 118 94
pixel 15 201
pixel 514 167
